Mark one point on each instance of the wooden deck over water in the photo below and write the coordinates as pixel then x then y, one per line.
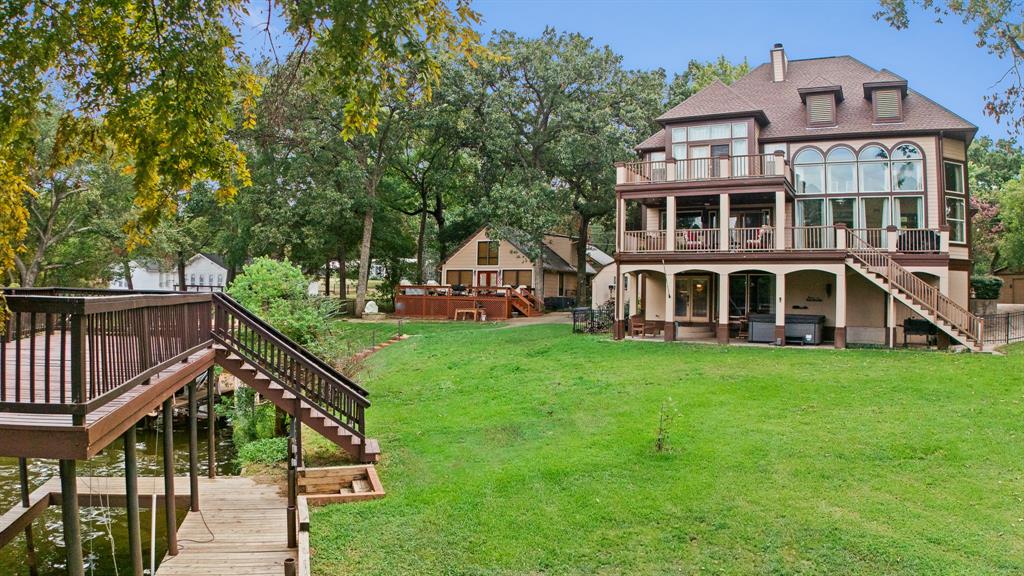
pixel 247 522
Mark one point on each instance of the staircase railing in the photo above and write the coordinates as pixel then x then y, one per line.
pixel 523 299
pixel 914 287
pixel 293 367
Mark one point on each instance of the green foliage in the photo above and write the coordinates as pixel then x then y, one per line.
pixel 249 421
pixel 276 291
pixel 999 27
pixel 263 451
pixel 700 74
pixel 986 287
pixel 529 450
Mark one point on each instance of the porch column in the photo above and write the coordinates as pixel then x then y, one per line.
pixel 840 336
pixel 780 220
pixel 890 320
pixel 723 222
pixel 892 237
pixel 780 308
pixel 620 224
pixel 722 331
pixel 620 321
pixel 670 223
pixel 669 326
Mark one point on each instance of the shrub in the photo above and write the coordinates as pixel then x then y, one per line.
pixel 263 451
pixel 276 291
pixel 986 287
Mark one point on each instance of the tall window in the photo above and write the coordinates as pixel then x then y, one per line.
pixel 459 277
pixel 841 171
pixel 809 169
pixel 874 169
pixel 909 212
pixel 487 253
pixel 907 169
pixel 956 206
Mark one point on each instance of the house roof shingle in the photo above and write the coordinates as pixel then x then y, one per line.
pixel 786 118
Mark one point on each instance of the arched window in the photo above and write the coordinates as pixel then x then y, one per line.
pixel 873 162
pixel 841 171
pixel 907 169
pixel 809 169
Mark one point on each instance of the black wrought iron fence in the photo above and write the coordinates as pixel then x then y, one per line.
pixel 592 320
pixel 1004 328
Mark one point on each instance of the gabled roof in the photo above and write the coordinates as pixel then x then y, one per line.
pixel 821 85
pixel 785 113
pixel 656 140
pixel 600 257
pixel 552 261
pixel 716 100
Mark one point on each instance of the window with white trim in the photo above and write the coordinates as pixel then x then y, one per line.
pixel 954 180
pixel 907 169
pixel 956 217
pixel 841 171
pixel 809 171
pixel 873 168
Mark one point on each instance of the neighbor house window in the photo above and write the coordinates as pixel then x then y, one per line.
pixel 487 253
pixel 459 278
pixel 516 278
pixel 809 168
pixel 956 218
pixel 873 165
pixel 841 171
pixel 907 169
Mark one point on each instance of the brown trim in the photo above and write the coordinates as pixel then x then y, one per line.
pixel 620 329
pixel 669 330
pixel 960 265
pixel 780 334
pixel 722 333
pixel 821 257
pixel 758 115
pixel 967 208
pixel 870 87
pixel 867 134
pixel 836 91
pixel 702 187
pixel 839 337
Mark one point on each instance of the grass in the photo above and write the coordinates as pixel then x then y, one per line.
pixel 531 451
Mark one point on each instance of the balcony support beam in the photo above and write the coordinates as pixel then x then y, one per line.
pixel 723 222
pixel 722 331
pixel 840 336
pixel 670 223
pixel 780 220
pixel 669 328
pixel 780 308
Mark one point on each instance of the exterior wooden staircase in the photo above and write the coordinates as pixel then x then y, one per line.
pixel 921 297
pixel 524 304
pixel 294 379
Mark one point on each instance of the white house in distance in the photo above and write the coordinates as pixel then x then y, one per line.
pixel 203 273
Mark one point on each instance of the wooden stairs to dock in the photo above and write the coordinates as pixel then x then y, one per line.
pixel 295 380
pixel 923 298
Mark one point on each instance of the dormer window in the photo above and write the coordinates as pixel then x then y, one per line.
pixel 821 110
pixel 888 105
pixel 820 101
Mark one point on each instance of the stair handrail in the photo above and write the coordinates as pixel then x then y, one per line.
pixel 528 301
pixel 290 345
pixel 917 289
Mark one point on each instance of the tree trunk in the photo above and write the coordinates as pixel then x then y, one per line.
pixel 421 240
pixel 538 277
pixel 182 287
pixel 342 275
pixel 442 242
pixel 582 280
pixel 327 279
pixel 126 269
pixel 364 259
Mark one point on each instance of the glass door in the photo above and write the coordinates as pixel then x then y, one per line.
pixel 693 302
pixel 700 162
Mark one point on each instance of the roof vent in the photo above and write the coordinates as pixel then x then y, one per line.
pixel 779 63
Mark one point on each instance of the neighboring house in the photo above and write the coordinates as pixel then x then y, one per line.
pixel 481 261
pixel 811 199
pixel 603 283
pixel 203 273
pixel 1012 291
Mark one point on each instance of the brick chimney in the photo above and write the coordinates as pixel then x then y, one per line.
pixel 779 63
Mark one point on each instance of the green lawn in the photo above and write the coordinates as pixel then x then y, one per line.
pixel 530 451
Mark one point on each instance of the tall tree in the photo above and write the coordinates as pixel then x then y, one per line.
pixel 999 27
pixel 699 74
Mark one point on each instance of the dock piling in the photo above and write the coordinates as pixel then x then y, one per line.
pixel 131 491
pixel 69 516
pixel 211 424
pixel 30 549
pixel 169 512
pixel 193 448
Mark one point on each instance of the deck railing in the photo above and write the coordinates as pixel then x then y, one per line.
pixel 696 169
pixel 760 239
pixel 811 238
pixel 71 351
pixel 697 240
pixel 442 301
pixel 644 241
pixel 300 372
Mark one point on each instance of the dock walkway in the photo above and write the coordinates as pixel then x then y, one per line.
pixel 240 530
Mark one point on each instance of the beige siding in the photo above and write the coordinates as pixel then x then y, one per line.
pixel 807 289
pixel 509 257
pixel 603 285
pixel 959 287
pixel 954 149
pixel 654 304
pixel 562 246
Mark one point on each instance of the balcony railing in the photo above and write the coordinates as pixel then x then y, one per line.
pixel 698 169
pixel 797 239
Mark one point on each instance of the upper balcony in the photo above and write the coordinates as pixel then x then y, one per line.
pixel 765 169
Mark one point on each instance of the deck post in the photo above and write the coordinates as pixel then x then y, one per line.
pixel 297 424
pixel 169 511
pixel 30 549
pixel 211 425
pixel 131 492
pixel 79 393
pixel 69 516
pixel 193 447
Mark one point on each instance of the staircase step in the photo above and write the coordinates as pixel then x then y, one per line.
pixel 359 485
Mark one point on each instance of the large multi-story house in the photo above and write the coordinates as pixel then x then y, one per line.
pixel 811 200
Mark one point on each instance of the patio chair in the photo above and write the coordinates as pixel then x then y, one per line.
pixel 652 328
pixel 636 325
pixel 758 241
pixel 693 241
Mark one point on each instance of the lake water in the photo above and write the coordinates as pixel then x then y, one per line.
pixel 104 530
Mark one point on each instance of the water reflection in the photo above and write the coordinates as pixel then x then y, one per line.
pixel 104 530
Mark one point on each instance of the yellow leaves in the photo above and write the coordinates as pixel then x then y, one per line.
pixel 252 88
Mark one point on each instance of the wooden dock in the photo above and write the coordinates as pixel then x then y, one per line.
pixel 240 530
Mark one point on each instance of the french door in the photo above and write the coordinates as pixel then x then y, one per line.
pixel 487 278
pixel 693 299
